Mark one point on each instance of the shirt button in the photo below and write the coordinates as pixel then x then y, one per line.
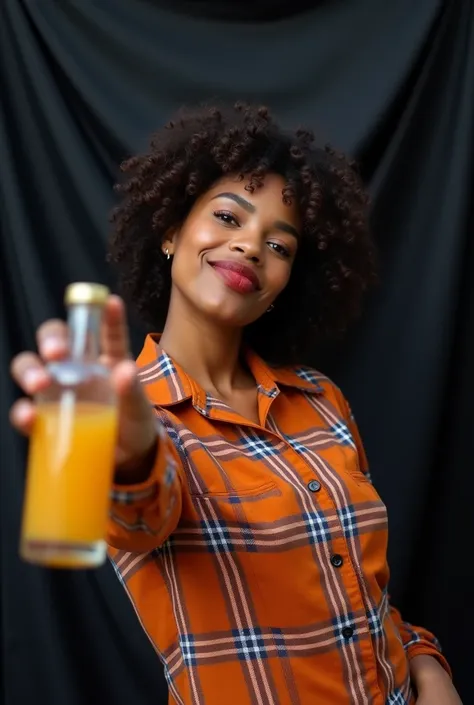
pixel 337 560
pixel 347 632
pixel 314 486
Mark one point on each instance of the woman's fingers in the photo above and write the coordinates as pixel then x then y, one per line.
pixel 115 341
pixel 53 340
pixel 22 416
pixel 133 401
pixel 137 430
pixel 28 371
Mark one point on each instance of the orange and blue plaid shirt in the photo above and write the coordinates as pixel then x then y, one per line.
pixel 255 554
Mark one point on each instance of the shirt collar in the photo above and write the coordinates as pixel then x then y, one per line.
pixel 167 383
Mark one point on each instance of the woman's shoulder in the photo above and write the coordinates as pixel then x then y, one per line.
pixel 312 380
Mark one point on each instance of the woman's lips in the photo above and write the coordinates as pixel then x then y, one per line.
pixel 237 277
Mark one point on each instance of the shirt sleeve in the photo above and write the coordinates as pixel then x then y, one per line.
pixel 417 641
pixel 142 516
pixel 354 432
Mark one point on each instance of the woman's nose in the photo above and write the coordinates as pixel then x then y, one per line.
pixel 249 245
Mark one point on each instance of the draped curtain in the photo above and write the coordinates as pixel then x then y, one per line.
pixel 82 85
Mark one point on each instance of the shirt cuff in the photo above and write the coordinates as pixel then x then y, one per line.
pixel 421 649
pixel 163 473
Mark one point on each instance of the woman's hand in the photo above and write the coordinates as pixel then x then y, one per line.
pixel 432 683
pixel 137 431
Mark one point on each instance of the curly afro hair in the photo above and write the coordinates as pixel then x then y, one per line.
pixel 335 262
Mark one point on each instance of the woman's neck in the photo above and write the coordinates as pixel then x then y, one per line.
pixel 209 353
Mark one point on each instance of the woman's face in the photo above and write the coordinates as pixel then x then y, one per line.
pixel 234 253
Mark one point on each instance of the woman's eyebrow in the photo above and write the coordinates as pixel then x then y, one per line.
pixel 246 205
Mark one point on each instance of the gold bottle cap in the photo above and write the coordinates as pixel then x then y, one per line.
pixel 86 293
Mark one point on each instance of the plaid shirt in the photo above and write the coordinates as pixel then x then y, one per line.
pixel 255 555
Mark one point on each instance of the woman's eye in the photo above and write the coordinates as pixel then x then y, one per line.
pixel 226 217
pixel 283 251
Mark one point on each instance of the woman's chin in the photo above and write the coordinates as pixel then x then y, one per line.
pixel 230 316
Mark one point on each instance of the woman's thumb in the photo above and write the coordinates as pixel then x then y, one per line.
pixel 132 399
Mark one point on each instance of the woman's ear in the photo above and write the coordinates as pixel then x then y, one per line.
pixel 168 243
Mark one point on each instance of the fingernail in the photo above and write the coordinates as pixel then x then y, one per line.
pixel 51 346
pixel 23 414
pixel 32 378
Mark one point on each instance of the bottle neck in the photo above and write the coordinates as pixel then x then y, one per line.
pixel 84 322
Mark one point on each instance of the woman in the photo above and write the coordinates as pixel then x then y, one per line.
pixel 245 529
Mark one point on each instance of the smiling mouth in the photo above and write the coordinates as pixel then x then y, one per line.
pixel 237 277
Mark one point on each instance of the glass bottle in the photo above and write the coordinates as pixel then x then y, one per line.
pixel 72 447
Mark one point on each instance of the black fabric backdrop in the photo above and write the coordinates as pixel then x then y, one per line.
pixel 83 83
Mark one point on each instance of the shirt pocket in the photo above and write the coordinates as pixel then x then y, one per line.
pixel 228 481
pixel 237 510
pixel 250 493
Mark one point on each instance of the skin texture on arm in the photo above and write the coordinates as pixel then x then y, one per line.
pixel 432 682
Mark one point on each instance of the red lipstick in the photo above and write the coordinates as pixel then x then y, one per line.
pixel 237 276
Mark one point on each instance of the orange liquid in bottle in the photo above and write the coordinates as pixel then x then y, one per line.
pixel 70 469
